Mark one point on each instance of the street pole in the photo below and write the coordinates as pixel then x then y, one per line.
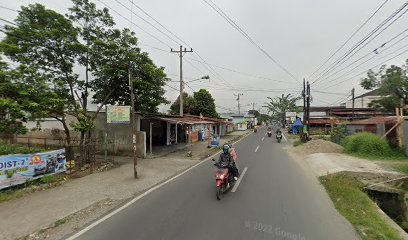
pixel 105 134
pixel 132 99
pixel 302 132
pixel 151 138
pixel 308 111
pixel 181 98
pixel 352 94
pixel 239 106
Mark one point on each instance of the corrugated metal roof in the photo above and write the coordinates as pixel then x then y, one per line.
pixel 323 121
pixel 375 120
pixel 185 120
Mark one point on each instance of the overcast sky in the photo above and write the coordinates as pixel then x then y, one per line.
pixel 300 35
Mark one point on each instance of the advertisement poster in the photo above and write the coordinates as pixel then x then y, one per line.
pixel 19 168
pixel 118 114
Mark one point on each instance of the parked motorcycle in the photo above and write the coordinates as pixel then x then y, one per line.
pixel 279 137
pixel 223 178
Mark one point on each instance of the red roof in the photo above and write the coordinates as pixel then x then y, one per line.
pixel 208 118
pixel 359 113
pixel 375 120
pixel 323 121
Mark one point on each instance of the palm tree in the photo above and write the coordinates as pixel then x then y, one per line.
pixel 278 106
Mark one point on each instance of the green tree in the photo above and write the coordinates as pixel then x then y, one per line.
pixel 118 54
pixel 254 112
pixel 188 105
pixel 93 25
pixel 264 117
pixel 278 106
pixel 204 104
pixel 392 84
pixel 45 45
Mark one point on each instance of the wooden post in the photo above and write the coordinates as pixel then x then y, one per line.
pixel 176 132
pixel 398 112
pixel 208 136
pixel 151 136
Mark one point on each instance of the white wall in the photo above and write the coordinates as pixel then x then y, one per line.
pixel 362 102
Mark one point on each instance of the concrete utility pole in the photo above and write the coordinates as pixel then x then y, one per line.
pixel 132 99
pixel 352 95
pixel 180 52
pixel 308 110
pixel 302 133
pixel 239 106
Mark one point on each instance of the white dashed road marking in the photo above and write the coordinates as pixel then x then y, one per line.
pixel 239 180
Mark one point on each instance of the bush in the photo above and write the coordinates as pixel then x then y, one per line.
pixel 297 143
pixel 6 149
pixel 367 144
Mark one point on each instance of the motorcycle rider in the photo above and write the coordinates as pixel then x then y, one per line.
pixel 278 132
pixel 226 159
pixel 233 152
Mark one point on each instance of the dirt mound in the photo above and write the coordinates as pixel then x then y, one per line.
pixel 319 146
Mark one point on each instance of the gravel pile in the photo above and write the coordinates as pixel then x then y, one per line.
pixel 319 146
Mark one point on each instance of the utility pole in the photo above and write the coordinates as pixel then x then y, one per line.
pixel 180 52
pixel 239 106
pixel 308 110
pixel 132 99
pixel 302 132
pixel 352 95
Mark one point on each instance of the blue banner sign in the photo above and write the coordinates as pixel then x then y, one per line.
pixel 20 168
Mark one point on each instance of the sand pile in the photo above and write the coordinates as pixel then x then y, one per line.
pixel 319 146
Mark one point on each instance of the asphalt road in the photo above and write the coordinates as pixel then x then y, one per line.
pixel 276 199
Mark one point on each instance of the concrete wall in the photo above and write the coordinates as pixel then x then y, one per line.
pixel 119 135
pixel 362 102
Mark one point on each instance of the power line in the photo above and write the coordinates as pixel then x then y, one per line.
pixel 352 35
pixel 352 70
pixel 196 52
pixel 369 53
pixel 7 21
pixel 371 67
pixel 134 24
pixel 239 72
pixel 343 61
pixel 217 66
pixel 143 19
pixel 353 50
pixel 220 12
pixel 10 9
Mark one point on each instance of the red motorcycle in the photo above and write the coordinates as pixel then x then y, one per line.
pixel 223 179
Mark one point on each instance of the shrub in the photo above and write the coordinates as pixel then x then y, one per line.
pixel 17 149
pixel 367 144
pixel 297 143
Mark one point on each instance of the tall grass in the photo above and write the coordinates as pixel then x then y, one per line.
pixel 371 146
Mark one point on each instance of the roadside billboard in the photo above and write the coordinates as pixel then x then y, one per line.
pixel 118 114
pixel 20 168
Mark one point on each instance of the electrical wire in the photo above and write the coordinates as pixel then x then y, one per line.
pixel 366 70
pixel 369 53
pixel 220 12
pixel 134 24
pixel 10 9
pixel 209 68
pixel 352 35
pixel 366 38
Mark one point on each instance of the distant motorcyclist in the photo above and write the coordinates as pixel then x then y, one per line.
pixel 278 132
pixel 227 160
